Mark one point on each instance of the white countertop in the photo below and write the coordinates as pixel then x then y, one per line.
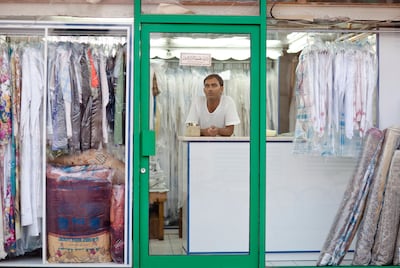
pixel 208 138
pixel 231 139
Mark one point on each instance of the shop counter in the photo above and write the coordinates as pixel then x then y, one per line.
pixel 215 199
pixel 302 196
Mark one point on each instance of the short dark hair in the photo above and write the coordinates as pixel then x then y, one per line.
pixel 216 76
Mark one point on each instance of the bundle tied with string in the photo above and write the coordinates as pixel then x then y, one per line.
pixel 102 158
pixel 78 213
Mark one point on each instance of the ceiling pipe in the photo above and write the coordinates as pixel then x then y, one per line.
pixel 333 12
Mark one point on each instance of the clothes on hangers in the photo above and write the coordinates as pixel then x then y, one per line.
pixel 78 78
pixel 335 85
pixel 31 176
pixel 84 73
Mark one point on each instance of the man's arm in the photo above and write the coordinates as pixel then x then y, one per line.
pixel 214 131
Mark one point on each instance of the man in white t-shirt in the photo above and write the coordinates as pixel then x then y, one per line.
pixel 215 113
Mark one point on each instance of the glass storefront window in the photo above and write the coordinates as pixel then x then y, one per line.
pixel 67 117
pixel 202 7
pixel 189 164
pixel 341 1
pixel 301 67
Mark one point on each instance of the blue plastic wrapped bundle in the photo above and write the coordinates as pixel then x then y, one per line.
pixel 78 213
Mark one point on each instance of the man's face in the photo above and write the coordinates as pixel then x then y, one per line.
pixel 212 89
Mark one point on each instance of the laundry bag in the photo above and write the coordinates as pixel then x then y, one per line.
pixel 78 213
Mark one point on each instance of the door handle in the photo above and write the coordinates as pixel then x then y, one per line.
pixel 149 142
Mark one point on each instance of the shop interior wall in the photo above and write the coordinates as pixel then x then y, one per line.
pixel 389 94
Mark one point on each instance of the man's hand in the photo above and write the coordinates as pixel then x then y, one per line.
pixel 212 131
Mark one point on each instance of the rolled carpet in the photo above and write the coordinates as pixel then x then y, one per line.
pixel 349 212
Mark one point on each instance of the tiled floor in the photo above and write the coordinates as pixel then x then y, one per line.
pixel 171 245
pixel 298 263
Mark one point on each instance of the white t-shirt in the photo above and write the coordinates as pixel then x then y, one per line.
pixel 225 114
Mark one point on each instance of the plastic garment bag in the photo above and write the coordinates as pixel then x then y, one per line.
pixel 335 85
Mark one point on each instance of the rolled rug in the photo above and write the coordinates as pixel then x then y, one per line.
pixel 348 217
pixel 385 238
pixel 369 224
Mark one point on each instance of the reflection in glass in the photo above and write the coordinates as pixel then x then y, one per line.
pixel 312 183
pixel 202 7
pixel 179 64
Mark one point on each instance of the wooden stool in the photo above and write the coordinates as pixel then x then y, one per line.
pixel 180 223
pixel 158 198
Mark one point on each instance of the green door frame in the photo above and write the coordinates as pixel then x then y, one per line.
pixel 143 146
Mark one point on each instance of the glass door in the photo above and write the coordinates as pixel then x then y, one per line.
pixel 198 185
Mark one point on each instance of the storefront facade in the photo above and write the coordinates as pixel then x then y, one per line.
pixel 229 201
